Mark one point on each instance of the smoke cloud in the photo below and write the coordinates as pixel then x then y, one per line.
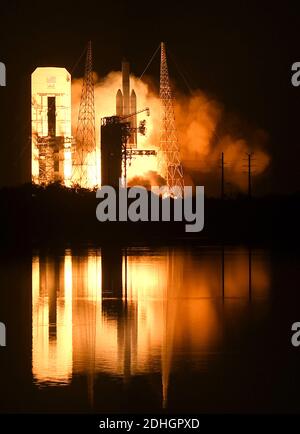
pixel 148 180
pixel 204 128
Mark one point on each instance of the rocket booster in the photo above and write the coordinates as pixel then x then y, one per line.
pixel 119 103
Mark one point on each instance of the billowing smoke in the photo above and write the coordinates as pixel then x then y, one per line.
pixel 204 129
pixel 148 180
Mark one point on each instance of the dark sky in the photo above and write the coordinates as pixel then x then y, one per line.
pixel 240 52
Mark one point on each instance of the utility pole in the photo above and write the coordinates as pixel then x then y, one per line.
pixel 222 175
pixel 250 272
pixel 223 272
pixel 250 155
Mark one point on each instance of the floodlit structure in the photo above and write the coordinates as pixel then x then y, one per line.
pixel 56 156
pixel 51 125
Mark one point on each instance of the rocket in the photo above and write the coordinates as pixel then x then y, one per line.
pixel 126 102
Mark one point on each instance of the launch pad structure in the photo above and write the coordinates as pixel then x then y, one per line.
pixel 116 131
pixel 56 156
pixel 51 125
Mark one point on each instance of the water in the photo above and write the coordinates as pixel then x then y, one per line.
pixel 200 329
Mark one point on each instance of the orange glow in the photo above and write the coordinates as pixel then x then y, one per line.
pixel 197 119
pixel 105 105
pixel 51 341
pixel 51 83
pixel 202 142
pixel 173 306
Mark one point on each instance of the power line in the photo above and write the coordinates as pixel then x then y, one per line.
pixel 150 61
pixel 79 59
pixel 172 57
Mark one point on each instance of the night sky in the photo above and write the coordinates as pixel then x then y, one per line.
pixel 239 52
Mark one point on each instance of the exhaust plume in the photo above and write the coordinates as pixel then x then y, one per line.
pixel 204 130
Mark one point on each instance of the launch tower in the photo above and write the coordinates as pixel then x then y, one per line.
pixel 85 159
pixel 169 146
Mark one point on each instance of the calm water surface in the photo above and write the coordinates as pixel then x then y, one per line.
pixel 150 329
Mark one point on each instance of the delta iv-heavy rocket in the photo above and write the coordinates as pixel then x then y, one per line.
pixel 126 103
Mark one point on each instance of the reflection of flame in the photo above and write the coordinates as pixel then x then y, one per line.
pixel 170 308
pixel 52 355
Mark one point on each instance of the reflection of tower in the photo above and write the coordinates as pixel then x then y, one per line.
pixel 169 147
pixel 85 151
pixel 126 102
pixel 51 125
pixel 111 272
pixel 170 307
pixel 117 309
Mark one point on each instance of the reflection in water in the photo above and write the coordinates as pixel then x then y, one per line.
pixel 134 312
pixel 52 320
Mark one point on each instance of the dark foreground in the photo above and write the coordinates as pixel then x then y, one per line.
pixel 34 216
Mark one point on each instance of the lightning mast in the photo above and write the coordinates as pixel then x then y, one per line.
pixel 85 164
pixel 169 146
